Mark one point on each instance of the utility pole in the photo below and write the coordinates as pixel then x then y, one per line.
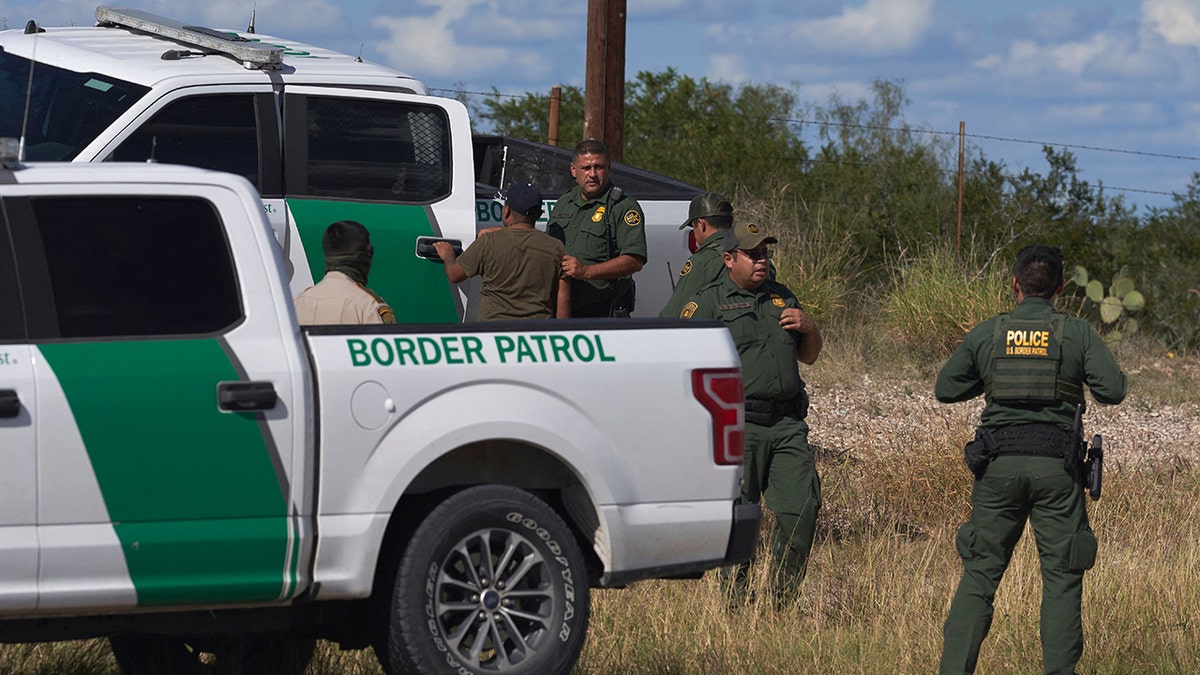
pixel 555 100
pixel 604 81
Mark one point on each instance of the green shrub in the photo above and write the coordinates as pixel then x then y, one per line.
pixel 935 299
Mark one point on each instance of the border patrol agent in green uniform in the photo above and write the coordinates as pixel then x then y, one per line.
pixel 772 333
pixel 605 235
pixel 1030 365
pixel 709 215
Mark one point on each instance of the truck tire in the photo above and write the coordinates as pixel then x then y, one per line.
pixel 226 655
pixel 492 581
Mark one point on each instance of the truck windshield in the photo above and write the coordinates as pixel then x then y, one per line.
pixel 67 110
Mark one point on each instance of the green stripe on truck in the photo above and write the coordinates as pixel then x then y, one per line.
pixel 416 289
pixel 191 491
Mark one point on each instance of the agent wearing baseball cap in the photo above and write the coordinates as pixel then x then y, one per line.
pixel 772 334
pixel 709 215
pixel 520 266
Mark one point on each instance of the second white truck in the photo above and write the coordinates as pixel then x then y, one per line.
pixel 323 136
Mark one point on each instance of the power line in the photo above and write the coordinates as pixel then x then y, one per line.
pixel 933 132
pixel 869 127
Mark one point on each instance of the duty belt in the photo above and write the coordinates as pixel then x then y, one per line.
pixel 1033 440
pixel 765 412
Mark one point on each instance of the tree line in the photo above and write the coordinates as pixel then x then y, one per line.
pixel 888 191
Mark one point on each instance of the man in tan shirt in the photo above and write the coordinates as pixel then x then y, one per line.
pixel 342 296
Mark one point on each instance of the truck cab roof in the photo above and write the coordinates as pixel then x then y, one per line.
pixel 147 59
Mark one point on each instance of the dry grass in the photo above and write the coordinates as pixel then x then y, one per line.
pixel 884 567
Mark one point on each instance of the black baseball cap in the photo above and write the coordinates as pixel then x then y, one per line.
pixel 523 198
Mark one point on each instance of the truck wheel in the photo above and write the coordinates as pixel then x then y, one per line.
pixel 492 581
pixel 154 654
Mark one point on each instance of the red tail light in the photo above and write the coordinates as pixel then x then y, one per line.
pixel 719 390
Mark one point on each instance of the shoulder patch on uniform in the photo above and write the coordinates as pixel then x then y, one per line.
pixel 598 215
pixel 688 310
pixel 687 267
pixel 386 314
pixel 777 300
pixel 633 218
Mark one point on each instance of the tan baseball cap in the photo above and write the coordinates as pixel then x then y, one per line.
pixel 746 237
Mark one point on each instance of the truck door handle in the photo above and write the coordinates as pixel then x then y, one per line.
pixel 246 396
pixel 10 404
pixel 426 250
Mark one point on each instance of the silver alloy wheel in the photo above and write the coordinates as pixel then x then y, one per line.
pixel 495 598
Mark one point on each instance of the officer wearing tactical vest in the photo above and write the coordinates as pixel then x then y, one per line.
pixel 709 215
pixel 772 334
pixel 605 235
pixel 1030 365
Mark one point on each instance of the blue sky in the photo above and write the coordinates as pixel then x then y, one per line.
pixel 1118 75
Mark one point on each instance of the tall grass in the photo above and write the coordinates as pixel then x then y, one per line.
pixel 936 298
pixel 884 567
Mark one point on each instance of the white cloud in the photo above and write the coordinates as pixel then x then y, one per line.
pixel 1100 55
pixel 462 39
pixel 1177 21
pixel 429 44
pixel 876 27
pixel 729 68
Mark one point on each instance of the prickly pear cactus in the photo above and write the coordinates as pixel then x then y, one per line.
pixel 1109 312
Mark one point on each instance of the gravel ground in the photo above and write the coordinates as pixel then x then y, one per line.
pixel 874 415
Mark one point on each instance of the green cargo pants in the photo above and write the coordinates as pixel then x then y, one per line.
pixel 1013 489
pixel 779 468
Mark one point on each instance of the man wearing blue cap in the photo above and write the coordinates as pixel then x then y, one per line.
pixel 520 266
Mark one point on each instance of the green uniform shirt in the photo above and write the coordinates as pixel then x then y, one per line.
pixel 705 266
pixel 582 225
pixel 1085 359
pixel 768 352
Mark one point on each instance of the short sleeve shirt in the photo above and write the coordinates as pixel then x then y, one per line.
pixel 768 351
pixel 520 269
pixel 581 224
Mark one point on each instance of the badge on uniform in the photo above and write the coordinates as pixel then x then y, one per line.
pixel 687 267
pixel 632 218
pixel 778 300
pixel 598 215
pixel 688 310
pixel 752 228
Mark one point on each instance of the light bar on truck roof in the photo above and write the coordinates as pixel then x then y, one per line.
pixel 252 55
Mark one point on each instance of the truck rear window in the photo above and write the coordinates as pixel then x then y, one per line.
pixel 67 110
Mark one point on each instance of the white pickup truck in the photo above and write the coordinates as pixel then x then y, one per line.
pixel 190 473
pixel 323 136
